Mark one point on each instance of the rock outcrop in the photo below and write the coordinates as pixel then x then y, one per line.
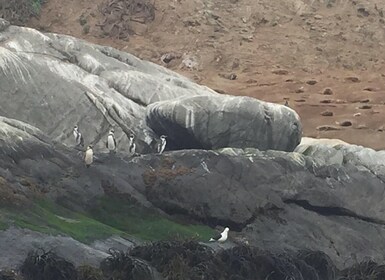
pixel 326 198
pixel 54 81
pixel 212 122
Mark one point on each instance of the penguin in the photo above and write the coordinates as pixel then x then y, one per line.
pixel 78 136
pixel 287 103
pixel 89 156
pixel 221 237
pixel 161 144
pixel 111 142
pixel 131 145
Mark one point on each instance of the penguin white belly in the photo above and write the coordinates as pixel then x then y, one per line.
pixel 110 143
pixel 89 157
pixel 132 148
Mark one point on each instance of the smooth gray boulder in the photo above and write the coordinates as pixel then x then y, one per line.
pixel 217 121
pixel 54 82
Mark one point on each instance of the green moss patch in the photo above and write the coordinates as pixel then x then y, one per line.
pixel 144 223
pixel 108 216
pixel 51 218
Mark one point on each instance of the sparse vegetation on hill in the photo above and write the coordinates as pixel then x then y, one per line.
pixel 19 11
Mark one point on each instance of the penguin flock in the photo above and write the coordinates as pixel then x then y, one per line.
pixel 111 144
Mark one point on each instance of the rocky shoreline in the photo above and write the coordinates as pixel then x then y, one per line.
pixel 233 163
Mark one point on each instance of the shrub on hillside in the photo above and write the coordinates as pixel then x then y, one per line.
pixel 19 11
pixel 41 265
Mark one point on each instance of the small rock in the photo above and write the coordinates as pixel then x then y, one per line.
pixel 327 91
pixel 326 101
pixel 231 76
pixel 371 89
pixel 365 107
pixel 289 80
pixel 352 79
pixel 248 38
pixel 381 128
pixel 4 24
pixel 318 17
pixel 362 11
pixel 191 22
pixel 362 126
pixel 280 72
pixel 300 90
pixel 327 113
pixel 340 101
pixel 346 123
pixel 327 128
pixel 366 100
pixel 311 82
pixel 167 57
pixel 357 114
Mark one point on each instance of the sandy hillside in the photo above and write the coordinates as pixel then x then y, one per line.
pixel 325 56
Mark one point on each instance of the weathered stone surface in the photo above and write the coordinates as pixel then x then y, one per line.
pixel 55 81
pixel 326 198
pixel 16 243
pixel 323 197
pixel 212 122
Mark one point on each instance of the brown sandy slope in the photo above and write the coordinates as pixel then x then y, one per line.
pixel 274 47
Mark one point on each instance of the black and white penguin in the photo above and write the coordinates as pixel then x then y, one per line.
pixel 161 144
pixel 78 136
pixel 221 237
pixel 131 144
pixel 89 156
pixel 111 143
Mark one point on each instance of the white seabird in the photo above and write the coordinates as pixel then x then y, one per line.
pixel 89 156
pixel 111 142
pixel 78 136
pixel 221 237
pixel 162 144
pixel 131 145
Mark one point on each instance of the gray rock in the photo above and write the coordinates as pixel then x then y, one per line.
pixel 16 243
pixel 272 199
pixel 54 81
pixel 217 121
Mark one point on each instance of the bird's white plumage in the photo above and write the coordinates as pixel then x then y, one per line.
pixel 111 143
pixel 161 144
pixel 89 157
pixel 131 145
pixel 223 236
pixel 78 136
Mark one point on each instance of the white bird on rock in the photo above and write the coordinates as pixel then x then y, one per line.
pixel 131 145
pixel 78 136
pixel 89 156
pixel 162 144
pixel 111 142
pixel 221 237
